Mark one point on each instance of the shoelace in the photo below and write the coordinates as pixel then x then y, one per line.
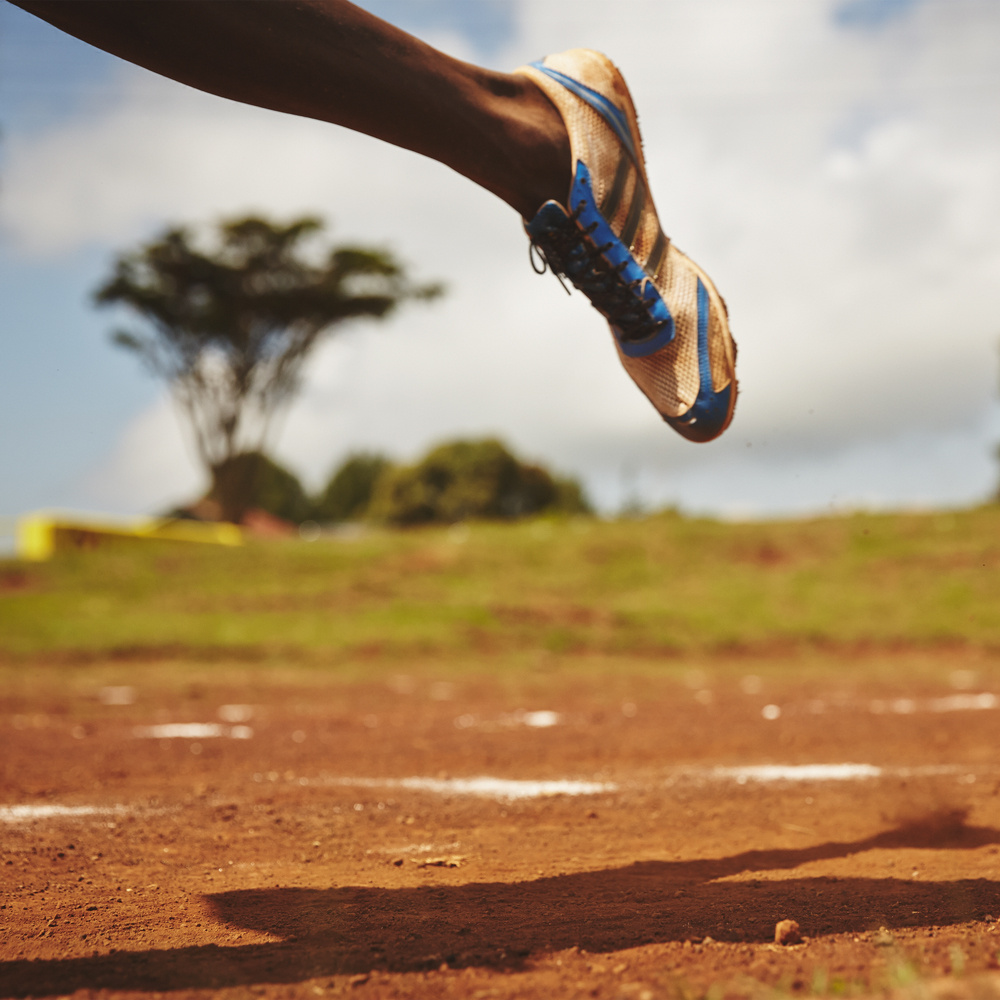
pixel 568 251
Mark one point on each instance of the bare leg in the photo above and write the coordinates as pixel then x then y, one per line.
pixel 330 60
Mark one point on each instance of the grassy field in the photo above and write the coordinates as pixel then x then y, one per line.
pixel 654 587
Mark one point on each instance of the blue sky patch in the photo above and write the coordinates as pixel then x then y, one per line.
pixel 871 13
pixel 486 24
pixel 46 76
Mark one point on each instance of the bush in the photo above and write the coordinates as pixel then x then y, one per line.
pixel 262 483
pixel 570 497
pixel 349 491
pixel 471 479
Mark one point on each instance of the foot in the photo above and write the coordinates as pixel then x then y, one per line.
pixel 669 323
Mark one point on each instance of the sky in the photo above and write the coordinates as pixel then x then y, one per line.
pixel 833 164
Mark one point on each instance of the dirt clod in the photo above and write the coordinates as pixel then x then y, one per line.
pixel 787 932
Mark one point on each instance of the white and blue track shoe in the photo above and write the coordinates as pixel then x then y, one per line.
pixel 669 323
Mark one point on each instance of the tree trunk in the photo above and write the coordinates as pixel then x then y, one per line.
pixel 234 485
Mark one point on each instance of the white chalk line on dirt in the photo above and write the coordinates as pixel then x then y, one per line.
pixel 510 789
pixel 533 720
pixel 767 773
pixel 483 787
pixel 965 702
pixel 795 772
pixel 192 731
pixel 24 813
pixel 951 703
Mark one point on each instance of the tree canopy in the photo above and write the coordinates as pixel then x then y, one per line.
pixel 463 480
pixel 349 491
pixel 229 322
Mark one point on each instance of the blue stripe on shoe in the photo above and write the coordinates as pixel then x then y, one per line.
pixel 707 416
pixel 704 366
pixel 610 112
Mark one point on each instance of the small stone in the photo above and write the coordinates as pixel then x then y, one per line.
pixel 787 932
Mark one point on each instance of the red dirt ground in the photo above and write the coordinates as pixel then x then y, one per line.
pixel 248 866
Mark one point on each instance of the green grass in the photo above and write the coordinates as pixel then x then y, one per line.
pixel 652 586
pixel 660 584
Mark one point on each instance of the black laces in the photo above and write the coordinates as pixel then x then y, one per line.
pixel 569 252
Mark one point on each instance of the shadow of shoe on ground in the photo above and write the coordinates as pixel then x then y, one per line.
pixel 356 929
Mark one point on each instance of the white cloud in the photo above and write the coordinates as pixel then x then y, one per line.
pixel 150 468
pixel 838 182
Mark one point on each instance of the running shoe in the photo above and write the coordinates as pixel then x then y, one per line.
pixel 669 323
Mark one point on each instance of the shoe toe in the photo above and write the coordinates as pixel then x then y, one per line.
pixel 709 416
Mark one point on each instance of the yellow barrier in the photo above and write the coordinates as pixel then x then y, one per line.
pixel 40 535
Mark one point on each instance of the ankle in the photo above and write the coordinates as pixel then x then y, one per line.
pixel 523 153
pixel 538 152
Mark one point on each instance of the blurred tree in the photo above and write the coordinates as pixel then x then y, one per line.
pixel 571 498
pixel 349 491
pixel 471 479
pixel 230 325
pixel 263 484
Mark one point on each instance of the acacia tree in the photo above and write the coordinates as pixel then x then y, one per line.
pixel 229 323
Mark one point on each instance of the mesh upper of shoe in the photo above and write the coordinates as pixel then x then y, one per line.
pixel 670 377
